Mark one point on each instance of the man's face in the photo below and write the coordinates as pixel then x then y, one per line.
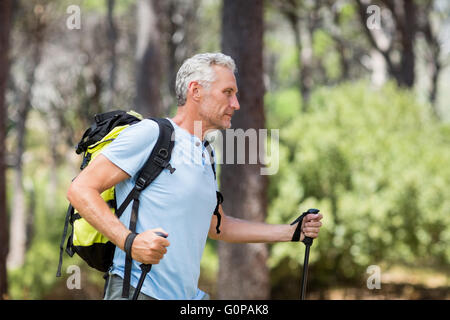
pixel 219 101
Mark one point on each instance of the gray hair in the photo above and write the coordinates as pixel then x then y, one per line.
pixel 199 68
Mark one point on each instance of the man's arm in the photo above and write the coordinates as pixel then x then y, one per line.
pixel 85 195
pixel 243 231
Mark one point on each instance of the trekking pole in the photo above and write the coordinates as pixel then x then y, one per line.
pixel 308 243
pixel 145 268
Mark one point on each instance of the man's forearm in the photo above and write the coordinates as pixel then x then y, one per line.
pixel 236 230
pixel 96 212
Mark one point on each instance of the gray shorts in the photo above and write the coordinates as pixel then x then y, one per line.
pixel 113 290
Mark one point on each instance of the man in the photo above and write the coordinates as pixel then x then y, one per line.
pixel 178 204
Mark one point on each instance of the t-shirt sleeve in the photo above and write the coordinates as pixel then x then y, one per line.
pixel 131 149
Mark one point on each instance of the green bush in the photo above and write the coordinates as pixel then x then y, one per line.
pixel 376 164
pixel 37 276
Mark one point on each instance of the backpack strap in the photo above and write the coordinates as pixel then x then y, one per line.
pixel 157 161
pixel 216 210
pixel 218 193
pixel 69 213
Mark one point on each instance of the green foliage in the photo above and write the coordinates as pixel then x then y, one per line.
pixel 376 164
pixel 37 276
pixel 45 185
pixel 281 107
pixel 322 43
pixel 207 16
pixel 101 6
pixel 347 13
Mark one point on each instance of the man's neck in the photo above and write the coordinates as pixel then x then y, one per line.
pixel 190 122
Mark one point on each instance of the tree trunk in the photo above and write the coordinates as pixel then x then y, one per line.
pixel 54 132
pixel 148 59
pixel 304 53
pixel 18 229
pixel 433 58
pixel 181 29
pixel 5 23
pixel 18 234
pixel 112 39
pixel 406 23
pixel 404 15
pixel 303 27
pixel 243 273
pixel 306 57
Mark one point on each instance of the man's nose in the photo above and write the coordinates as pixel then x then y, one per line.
pixel 235 103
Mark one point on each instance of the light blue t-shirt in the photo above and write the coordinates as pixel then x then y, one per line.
pixel 181 203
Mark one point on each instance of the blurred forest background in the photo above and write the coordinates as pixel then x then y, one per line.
pixel 358 89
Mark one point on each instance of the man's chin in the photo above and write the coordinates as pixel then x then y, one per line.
pixel 223 125
pixel 226 125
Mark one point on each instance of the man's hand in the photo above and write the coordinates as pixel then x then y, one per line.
pixel 311 226
pixel 148 247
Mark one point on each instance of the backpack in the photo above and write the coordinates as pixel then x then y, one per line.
pixel 93 247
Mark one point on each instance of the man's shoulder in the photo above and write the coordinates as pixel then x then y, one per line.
pixel 136 138
pixel 132 147
pixel 145 127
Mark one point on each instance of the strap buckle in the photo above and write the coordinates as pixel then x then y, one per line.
pixel 163 163
pixel 160 161
pixel 140 184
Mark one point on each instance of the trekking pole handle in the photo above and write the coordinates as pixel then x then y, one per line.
pixel 308 241
pixel 145 269
pixel 158 233
pixel 148 267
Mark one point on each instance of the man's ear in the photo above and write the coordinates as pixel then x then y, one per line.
pixel 194 89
